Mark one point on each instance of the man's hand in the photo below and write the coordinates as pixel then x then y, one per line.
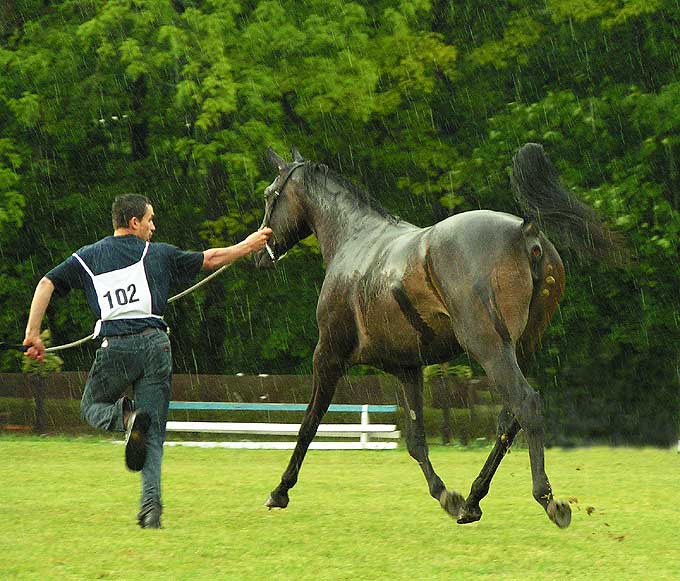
pixel 36 348
pixel 258 240
pixel 217 257
pixel 41 298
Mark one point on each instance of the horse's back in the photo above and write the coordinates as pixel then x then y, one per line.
pixel 477 232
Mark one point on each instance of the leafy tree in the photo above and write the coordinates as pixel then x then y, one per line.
pixel 422 103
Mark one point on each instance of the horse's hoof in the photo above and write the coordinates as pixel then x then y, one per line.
pixel 277 500
pixel 469 514
pixel 559 512
pixel 451 502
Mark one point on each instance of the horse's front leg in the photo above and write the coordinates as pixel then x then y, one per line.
pixel 328 368
pixel 508 427
pixel 411 401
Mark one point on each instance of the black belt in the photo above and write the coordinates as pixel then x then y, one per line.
pixel 147 331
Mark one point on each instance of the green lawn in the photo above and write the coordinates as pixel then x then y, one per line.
pixel 68 507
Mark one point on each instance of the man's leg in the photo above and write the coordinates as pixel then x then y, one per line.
pixel 103 405
pixel 152 395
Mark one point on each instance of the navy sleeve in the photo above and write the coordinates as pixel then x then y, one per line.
pixel 184 266
pixel 66 276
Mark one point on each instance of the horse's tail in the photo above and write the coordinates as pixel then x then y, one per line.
pixel 546 201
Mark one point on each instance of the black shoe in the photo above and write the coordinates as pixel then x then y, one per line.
pixel 135 440
pixel 150 517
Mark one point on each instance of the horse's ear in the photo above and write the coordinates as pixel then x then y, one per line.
pixel 297 156
pixel 275 159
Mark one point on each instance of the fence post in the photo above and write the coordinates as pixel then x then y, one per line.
pixel 446 425
pixel 364 422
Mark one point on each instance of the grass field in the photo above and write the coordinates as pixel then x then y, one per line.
pixel 68 508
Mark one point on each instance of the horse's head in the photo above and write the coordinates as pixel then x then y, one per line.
pixel 284 211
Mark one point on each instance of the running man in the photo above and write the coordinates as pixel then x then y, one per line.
pixel 127 281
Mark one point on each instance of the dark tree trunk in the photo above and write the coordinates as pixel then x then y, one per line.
pixel 139 128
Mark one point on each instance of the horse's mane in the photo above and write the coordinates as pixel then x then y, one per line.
pixel 317 174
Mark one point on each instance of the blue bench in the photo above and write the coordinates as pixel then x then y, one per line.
pixel 364 430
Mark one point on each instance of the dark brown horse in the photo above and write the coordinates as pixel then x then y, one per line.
pixel 398 297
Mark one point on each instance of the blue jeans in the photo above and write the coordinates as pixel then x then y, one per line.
pixel 143 361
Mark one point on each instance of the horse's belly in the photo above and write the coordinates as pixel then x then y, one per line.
pixel 402 352
pixel 401 318
pixel 389 338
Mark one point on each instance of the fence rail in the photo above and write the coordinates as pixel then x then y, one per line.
pixel 363 431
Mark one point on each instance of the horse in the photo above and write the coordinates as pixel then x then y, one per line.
pixel 397 296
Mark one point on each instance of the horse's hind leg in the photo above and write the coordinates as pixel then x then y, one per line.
pixel 501 366
pixel 328 368
pixel 411 401
pixel 508 427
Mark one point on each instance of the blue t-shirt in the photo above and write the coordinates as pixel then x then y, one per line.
pixel 167 268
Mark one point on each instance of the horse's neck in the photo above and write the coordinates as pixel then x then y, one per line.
pixel 338 219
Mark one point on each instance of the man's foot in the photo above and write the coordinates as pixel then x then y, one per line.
pixel 135 440
pixel 150 516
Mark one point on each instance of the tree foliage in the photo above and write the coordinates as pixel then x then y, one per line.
pixel 422 103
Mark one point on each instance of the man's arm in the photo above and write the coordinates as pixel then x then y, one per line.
pixel 41 299
pixel 217 257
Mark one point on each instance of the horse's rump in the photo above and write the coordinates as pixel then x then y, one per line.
pixel 481 263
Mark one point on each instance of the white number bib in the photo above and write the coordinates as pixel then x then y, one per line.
pixel 122 293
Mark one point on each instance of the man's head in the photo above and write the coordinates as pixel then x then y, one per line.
pixel 133 214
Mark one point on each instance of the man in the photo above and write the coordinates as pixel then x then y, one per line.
pixel 127 281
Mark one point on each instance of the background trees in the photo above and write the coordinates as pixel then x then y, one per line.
pixel 423 103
